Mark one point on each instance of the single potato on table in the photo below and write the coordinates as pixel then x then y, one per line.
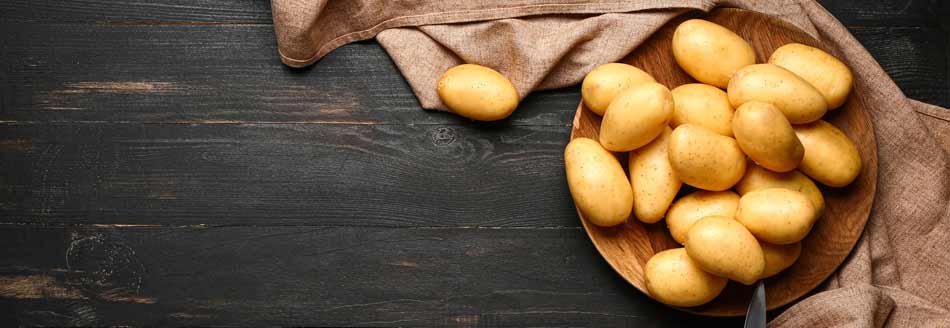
pixel 723 247
pixel 703 105
pixel 705 160
pixel 826 73
pixel 477 92
pixel 764 134
pixel 673 278
pixel 779 257
pixel 796 98
pixel 605 82
pixel 776 215
pixel 710 53
pixel 757 177
pixel 697 205
pixel 652 178
pixel 830 156
pixel 636 116
pixel 597 182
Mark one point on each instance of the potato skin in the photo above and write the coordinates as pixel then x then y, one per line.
pixel 604 82
pixel 823 71
pixel 776 215
pixel 597 182
pixel 636 116
pixel 477 92
pixel 710 53
pixel 723 247
pixel 831 158
pixel 697 205
pixel 779 257
pixel 675 279
pixel 703 105
pixel 652 178
pixel 764 134
pixel 757 177
pixel 798 100
pixel 705 160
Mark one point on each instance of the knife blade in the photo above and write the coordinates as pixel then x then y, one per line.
pixel 755 315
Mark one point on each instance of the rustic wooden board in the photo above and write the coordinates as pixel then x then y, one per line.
pixel 285 174
pixel 143 98
pixel 315 276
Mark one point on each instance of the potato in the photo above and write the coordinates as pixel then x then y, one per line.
pixel 764 134
pixel 705 160
pixel 597 182
pixel 636 116
pixel 703 105
pixel 710 53
pixel 776 215
pixel 830 156
pixel 779 257
pixel 604 82
pixel 798 100
pixel 723 247
pixel 652 178
pixel 697 205
pixel 477 92
pixel 823 71
pixel 675 279
pixel 757 177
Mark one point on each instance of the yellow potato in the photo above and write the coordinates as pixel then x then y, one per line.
pixel 830 156
pixel 477 92
pixel 697 205
pixel 675 279
pixel 652 178
pixel 798 100
pixel 723 247
pixel 597 182
pixel 636 116
pixel 764 134
pixel 822 70
pixel 604 82
pixel 703 105
pixel 705 160
pixel 776 215
pixel 710 53
pixel 779 257
pixel 757 177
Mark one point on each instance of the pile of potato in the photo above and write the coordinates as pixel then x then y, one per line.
pixel 763 137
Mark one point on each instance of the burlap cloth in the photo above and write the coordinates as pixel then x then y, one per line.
pixel 899 272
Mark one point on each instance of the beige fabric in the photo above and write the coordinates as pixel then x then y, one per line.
pixel 897 273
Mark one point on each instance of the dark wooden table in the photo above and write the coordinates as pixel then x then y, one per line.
pixel 159 166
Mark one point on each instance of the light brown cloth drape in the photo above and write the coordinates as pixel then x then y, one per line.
pixel 899 272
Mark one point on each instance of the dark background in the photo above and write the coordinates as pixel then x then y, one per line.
pixel 160 166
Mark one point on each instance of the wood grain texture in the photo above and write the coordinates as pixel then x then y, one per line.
pixel 830 239
pixel 209 74
pixel 285 174
pixel 97 275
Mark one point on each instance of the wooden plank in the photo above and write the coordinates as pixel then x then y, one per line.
pixel 138 12
pixel 850 12
pixel 211 73
pixel 359 276
pixel 915 58
pixel 175 73
pixel 285 174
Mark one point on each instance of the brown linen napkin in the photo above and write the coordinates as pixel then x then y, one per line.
pixel 897 273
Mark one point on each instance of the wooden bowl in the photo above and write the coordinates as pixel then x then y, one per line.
pixel 628 247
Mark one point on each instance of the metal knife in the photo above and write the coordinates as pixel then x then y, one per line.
pixel 755 315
